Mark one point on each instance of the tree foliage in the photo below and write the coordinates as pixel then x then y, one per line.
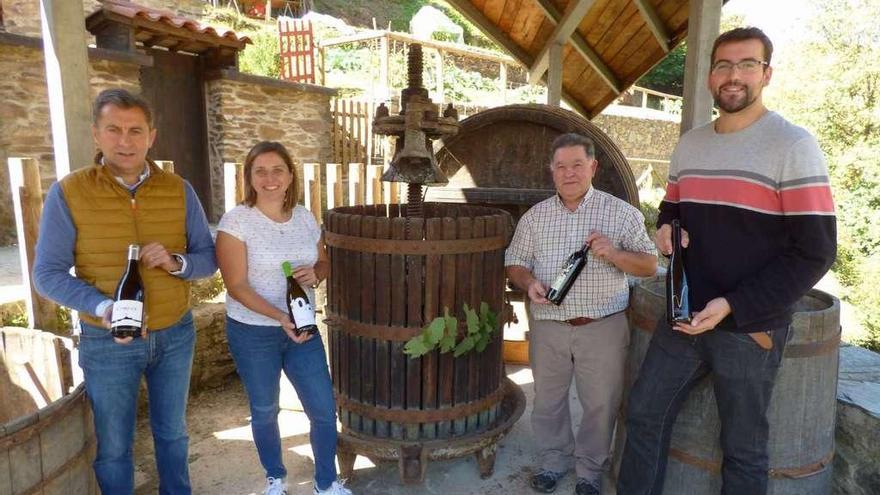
pixel 830 83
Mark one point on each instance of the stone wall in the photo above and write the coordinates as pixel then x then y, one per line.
pixel 23 16
pixel 243 110
pixel 857 434
pixel 639 137
pixel 25 129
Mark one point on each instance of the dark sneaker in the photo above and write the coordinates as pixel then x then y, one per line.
pixel 587 487
pixel 545 481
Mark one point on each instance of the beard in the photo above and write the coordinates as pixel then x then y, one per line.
pixel 734 103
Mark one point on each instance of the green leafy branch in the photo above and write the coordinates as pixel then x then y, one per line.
pixel 443 332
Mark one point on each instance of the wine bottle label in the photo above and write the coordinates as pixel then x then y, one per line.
pixel 303 314
pixel 127 313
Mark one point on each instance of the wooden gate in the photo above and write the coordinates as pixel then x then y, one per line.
pixel 297 50
pixel 180 120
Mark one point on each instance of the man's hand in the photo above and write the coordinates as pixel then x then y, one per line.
pixel 105 320
pixel 538 292
pixel 289 328
pixel 306 276
pixel 154 255
pixel 663 239
pixel 715 311
pixel 601 246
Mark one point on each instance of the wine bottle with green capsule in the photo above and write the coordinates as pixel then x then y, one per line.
pixel 299 308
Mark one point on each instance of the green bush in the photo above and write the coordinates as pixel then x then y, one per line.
pixel 261 58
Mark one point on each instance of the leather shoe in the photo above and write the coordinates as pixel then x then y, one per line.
pixel 587 487
pixel 545 481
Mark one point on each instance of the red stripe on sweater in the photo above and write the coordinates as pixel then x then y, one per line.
pixel 734 192
pixel 808 200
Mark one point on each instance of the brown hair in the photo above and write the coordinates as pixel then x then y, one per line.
pixel 121 98
pixel 744 34
pixel 250 194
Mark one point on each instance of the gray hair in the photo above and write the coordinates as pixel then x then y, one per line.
pixel 121 98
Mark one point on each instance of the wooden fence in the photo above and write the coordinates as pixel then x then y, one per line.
pixel 352 135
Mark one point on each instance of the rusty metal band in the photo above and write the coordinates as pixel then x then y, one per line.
pixel 646 323
pixel 414 247
pixel 45 421
pixel 62 469
pixel 381 413
pixel 369 330
pixel 714 467
pixel 813 349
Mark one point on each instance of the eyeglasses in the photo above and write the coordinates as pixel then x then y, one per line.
pixel 747 66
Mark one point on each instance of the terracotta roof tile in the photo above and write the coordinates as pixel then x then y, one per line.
pixel 132 11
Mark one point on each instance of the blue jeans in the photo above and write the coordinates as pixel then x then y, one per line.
pixel 743 375
pixel 260 354
pixel 113 375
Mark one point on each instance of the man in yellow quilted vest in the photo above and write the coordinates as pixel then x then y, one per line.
pixel 90 217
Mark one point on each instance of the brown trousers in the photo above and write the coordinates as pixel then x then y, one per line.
pixel 594 355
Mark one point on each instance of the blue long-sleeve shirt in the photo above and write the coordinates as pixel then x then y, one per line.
pixel 55 253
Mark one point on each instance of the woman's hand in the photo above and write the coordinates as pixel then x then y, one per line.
pixel 306 276
pixel 289 328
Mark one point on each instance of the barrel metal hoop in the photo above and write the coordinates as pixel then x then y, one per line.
pixel 648 324
pixel 813 349
pixel 714 467
pixel 369 330
pixel 414 247
pixel 411 416
pixel 46 419
pixel 62 469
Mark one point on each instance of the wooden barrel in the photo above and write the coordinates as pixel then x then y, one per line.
pixel 391 275
pixel 47 438
pixel 801 414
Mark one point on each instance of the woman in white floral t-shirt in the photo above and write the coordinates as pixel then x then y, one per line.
pixel 253 240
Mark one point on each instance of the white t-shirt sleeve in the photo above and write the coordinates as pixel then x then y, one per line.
pixel 231 223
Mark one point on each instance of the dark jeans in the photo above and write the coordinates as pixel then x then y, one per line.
pixel 743 375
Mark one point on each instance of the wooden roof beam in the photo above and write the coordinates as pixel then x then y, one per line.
pixel 655 24
pixel 579 44
pixel 472 14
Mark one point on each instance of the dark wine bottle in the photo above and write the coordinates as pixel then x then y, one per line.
pixel 677 304
pixel 570 272
pixel 127 317
pixel 300 310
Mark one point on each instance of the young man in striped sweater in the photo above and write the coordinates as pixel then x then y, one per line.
pixel 753 197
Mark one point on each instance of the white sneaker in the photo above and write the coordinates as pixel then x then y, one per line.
pixel 335 489
pixel 275 486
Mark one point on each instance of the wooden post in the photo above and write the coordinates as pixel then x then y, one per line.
pixel 322 54
pixel 24 175
pixel 166 165
pixel 393 192
pixel 315 192
pixel 704 19
pixel 384 85
pixel 439 62
pixel 503 82
pixel 67 78
pixel 233 184
pixel 312 179
pixel 338 200
pixel 330 180
pixel 376 182
pixel 355 184
pixel 554 76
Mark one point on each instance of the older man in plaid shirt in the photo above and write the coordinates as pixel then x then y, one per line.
pixel 586 337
